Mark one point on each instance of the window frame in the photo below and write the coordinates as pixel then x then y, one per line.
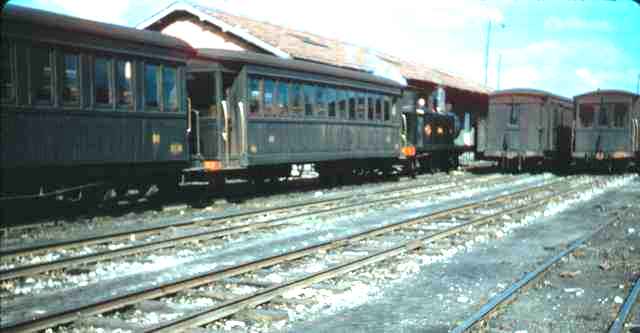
pixel 387 105
pixel 33 95
pixel 603 113
pixel 111 82
pixel 617 111
pixel 79 77
pixel 580 113
pixel 370 106
pixel 515 110
pixel 361 106
pixel 332 102
pixel 118 105
pixel 13 77
pixel 272 111
pixel 320 101
pixel 309 100
pixel 163 106
pixel 296 111
pixel 342 113
pixel 352 105
pixel 159 101
pixel 378 108
pixel 258 100
pixel 283 109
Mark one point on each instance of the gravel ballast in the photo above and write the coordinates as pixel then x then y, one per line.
pixel 439 295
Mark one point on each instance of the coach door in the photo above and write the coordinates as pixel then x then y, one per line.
pixel 233 121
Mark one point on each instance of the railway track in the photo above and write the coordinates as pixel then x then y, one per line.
pixel 632 299
pixel 267 207
pixel 228 225
pixel 520 202
pixel 8 230
pixel 479 320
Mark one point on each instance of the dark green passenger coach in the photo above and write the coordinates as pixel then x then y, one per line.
pixel 86 103
pixel 259 114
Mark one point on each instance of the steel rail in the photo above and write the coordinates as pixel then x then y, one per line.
pixel 509 293
pixel 27 270
pixel 230 307
pixel 618 324
pixel 210 219
pixel 71 315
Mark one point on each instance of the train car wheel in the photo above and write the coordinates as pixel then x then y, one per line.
pixel 217 183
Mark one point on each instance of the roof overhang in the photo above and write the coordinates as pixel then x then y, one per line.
pixel 225 27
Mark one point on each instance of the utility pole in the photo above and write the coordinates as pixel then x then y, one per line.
pixel 486 54
pixel 486 51
pixel 499 66
pixel 638 84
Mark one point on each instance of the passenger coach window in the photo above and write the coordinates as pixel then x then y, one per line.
pixel 378 108
pixel 151 85
pixel 283 97
pixel 321 108
pixel 514 115
pixel 7 61
pixel 352 104
pixel 586 115
pixel 70 79
pixel 603 116
pixel 296 99
pixel 342 103
pixel 331 102
pixel 102 75
pixel 387 109
pixel 124 94
pixel 254 95
pixel 170 89
pixel 308 91
pixel 620 115
pixel 267 102
pixel 361 113
pixel 42 70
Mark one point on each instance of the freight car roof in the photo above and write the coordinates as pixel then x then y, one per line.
pixel 13 13
pixel 608 92
pixel 527 91
pixel 291 64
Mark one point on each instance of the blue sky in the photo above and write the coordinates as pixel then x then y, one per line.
pixel 563 46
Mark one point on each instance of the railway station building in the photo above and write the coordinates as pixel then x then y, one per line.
pixel 204 27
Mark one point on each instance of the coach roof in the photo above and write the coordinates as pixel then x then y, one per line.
pixel 607 92
pixel 19 14
pixel 295 65
pixel 530 92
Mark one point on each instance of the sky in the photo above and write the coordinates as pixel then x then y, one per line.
pixel 567 47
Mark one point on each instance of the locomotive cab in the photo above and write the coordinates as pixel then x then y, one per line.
pixel 429 132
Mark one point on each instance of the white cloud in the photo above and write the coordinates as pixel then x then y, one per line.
pixel 574 23
pixel 526 76
pixel 114 12
pixel 587 77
